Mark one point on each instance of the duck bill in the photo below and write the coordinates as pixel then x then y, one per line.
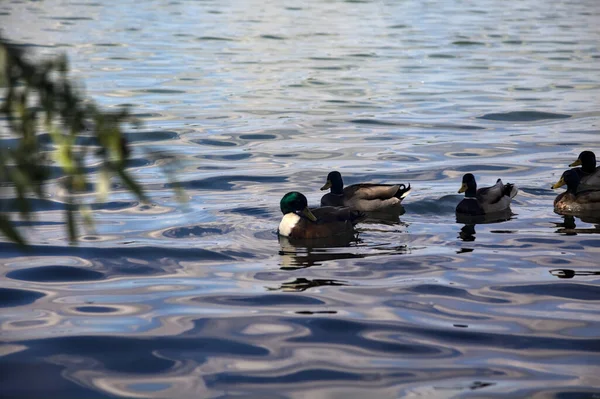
pixel 576 163
pixel 559 183
pixel 327 185
pixel 306 212
pixel 462 188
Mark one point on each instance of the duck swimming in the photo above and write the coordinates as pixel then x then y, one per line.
pixel 364 197
pixel 486 200
pixel 301 222
pixel 575 199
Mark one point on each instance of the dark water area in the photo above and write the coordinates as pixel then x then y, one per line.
pixel 255 99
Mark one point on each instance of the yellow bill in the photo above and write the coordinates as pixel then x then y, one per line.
pixel 559 183
pixel 327 185
pixel 306 212
pixel 463 188
pixel 576 163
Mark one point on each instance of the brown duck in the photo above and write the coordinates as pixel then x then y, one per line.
pixel 301 222
pixel 364 197
pixel 575 200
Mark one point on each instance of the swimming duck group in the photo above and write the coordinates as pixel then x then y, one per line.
pixel 343 207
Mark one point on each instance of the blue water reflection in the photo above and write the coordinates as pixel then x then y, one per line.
pixel 248 100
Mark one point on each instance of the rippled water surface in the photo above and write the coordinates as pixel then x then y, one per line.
pixel 258 98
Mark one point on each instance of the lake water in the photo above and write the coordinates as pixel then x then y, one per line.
pixel 258 98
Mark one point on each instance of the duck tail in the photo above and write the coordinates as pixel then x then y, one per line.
pixel 510 190
pixel 402 192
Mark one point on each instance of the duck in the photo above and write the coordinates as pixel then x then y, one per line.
pixel 486 200
pixel 575 200
pixel 363 197
pixel 589 174
pixel 303 223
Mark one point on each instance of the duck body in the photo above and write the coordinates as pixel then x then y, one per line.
pixel 363 197
pixel 576 199
pixel 486 200
pixel 300 222
pixel 589 174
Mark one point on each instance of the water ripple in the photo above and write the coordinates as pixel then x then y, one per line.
pixel 10 297
pixel 581 292
pixel 55 274
pixel 524 116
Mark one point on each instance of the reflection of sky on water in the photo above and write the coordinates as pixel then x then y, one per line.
pixel 258 99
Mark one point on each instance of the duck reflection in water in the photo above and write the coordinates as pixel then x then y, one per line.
pixel 568 273
pixel 300 254
pixel 389 216
pixel 302 284
pixel 569 227
pixel 303 253
pixel 467 232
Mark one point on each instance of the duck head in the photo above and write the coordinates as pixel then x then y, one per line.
pixel 295 202
pixel 571 179
pixel 335 182
pixel 469 185
pixel 587 161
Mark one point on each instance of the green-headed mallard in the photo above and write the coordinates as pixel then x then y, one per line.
pixel 575 200
pixel 486 200
pixel 364 197
pixel 300 222
pixel 589 174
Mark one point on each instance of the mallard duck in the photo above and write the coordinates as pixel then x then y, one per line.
pixel 589 174
pixel 301 222
pixel 575 200
pixel 486 200
pixel 364 197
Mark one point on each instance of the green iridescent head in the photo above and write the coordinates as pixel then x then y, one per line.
pixel 295 202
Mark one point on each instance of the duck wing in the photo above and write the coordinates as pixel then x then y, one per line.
pixel 327 214
pixel 582 202
pixel 591 180
pixel 305 229
pixel 560 197
pixel 491 195
pixel 368 191
pixel 588 197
